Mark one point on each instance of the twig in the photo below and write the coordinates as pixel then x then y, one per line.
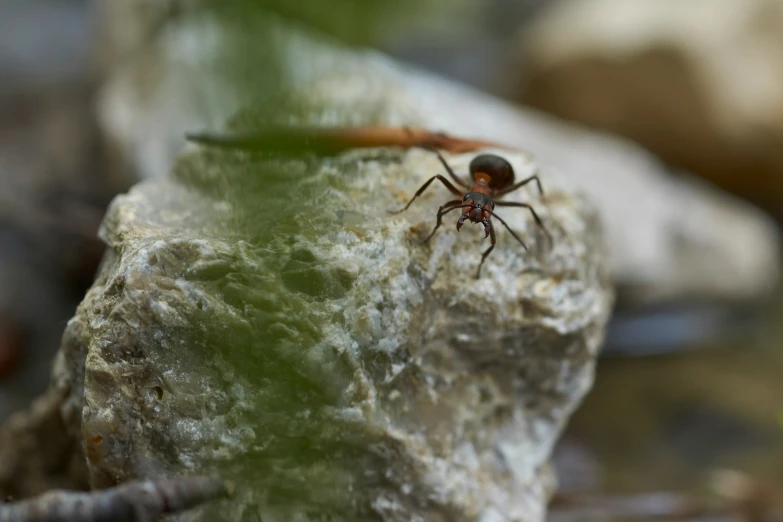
pixel 141 501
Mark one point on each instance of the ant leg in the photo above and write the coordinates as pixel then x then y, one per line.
pixel 456 178
pixel 532 211
pixel 487 251
pixel 455 204
pixel 443 180
pixel 448 169
pixel 459 182
pixel 522 183
pixel 508 228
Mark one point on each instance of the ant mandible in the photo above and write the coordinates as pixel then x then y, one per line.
pixel 493 177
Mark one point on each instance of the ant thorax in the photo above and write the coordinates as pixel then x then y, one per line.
pixel 479 200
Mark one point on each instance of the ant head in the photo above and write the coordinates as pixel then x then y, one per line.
pixel 500 172
pixel 479 200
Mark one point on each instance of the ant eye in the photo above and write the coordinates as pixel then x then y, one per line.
pixel 492 204
pixel 466 197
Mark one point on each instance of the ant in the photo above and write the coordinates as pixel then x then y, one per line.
pixel 493 177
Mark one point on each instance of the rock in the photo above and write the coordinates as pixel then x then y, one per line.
pixel 152 51
pixel 268 322
pixel 701 85
pixel 669 240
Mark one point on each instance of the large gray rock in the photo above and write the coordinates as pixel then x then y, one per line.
pixel 268 321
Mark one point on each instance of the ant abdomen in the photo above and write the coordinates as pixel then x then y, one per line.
pixel 500 172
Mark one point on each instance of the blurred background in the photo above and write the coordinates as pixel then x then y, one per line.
pixel 686 418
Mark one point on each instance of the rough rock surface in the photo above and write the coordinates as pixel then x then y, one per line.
pixel 668 239
pixel 268 321
pixel 699 83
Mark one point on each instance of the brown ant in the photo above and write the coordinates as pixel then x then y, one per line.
pixel 493 177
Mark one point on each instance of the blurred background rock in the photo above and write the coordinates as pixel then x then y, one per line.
pixel 697 83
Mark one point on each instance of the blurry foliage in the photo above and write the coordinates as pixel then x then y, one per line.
pixel 361 22
pixel 258 39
